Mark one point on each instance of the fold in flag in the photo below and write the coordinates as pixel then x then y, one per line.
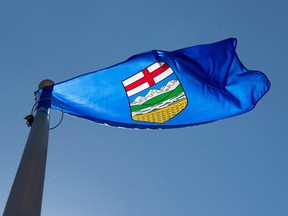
pixel 161 89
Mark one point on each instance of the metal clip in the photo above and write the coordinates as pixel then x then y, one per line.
pixel 29 120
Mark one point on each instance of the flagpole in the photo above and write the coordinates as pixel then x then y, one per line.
pixel 25 198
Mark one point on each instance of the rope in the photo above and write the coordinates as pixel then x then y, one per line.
pixel 62 112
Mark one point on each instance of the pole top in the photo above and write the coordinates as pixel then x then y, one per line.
pixel 45 83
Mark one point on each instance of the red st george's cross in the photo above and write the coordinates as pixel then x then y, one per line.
pixel 147 78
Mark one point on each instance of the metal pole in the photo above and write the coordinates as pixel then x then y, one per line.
pixel 25 198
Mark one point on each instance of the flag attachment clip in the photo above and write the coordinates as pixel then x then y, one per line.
pixel 29 120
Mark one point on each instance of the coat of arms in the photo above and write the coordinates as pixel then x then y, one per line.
pixel 155 94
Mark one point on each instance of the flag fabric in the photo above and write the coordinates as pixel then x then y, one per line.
pixel 161 89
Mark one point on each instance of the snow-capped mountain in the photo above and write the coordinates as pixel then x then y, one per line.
pixel 171 85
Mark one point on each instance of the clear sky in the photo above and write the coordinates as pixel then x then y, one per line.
pixel 232 167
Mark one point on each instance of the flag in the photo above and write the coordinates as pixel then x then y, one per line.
pixel 161 89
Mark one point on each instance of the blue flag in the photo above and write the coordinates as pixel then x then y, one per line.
pixel 161 89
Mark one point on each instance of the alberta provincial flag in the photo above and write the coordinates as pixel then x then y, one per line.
pixel 162 89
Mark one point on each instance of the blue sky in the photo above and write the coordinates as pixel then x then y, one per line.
pixel 236 166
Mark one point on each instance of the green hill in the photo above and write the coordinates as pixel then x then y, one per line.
pixel 158 99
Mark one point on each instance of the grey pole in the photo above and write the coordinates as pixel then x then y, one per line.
pixel 25 198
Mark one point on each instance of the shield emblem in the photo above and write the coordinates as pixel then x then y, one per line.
pixel 155 94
